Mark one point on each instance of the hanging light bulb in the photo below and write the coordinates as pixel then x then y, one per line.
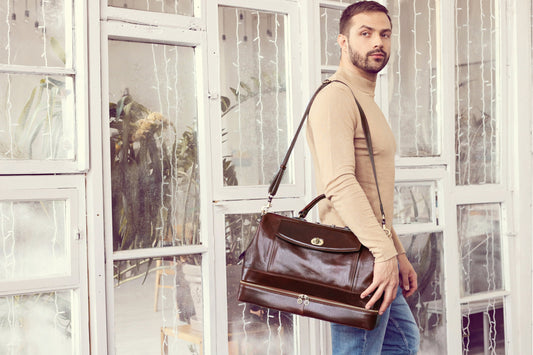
pixel 26 12
pixel 13 14
pixel 36 24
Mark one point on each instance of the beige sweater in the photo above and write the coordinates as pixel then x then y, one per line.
pixel 342 165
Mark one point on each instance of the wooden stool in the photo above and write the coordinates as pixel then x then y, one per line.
pixel 183 332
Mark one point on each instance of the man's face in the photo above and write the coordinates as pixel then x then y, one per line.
pixel 369 41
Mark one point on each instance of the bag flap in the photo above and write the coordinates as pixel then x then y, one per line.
pixel 317 236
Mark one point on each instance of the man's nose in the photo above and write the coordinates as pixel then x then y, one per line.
pixel 377 41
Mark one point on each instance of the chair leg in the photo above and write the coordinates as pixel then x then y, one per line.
pixel 157 284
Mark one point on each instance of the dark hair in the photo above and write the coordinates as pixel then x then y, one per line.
pixel 357 8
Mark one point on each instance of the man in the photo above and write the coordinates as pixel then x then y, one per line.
pixel 344 174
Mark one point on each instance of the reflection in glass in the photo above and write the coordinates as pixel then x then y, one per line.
pixel 483 327
pixel 34 240
pixel 38 324
pixel 180 7
pixel 425 253
pixel 251 327
pixel 37 117
pixel 413 78
pixel 330 53
pixel 154 146
pixel 254 99
pixel 413 203
pixel 476 121
pixel 158 305
pixel 480 247
pixel 34 32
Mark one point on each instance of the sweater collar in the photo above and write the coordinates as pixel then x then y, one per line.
pixel 356 82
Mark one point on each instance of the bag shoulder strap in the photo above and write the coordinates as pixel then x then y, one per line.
pixel 272 190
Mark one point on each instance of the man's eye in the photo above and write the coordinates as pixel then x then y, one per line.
pixel 385 35
pixel 365 34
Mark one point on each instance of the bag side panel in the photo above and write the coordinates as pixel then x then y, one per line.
pixel 313 266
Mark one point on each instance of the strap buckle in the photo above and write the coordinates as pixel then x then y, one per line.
pixel 266 207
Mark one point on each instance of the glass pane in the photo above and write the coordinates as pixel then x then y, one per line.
pixel 250 326
pixel 413 79
pixel 483 328
pixel 330 52
pixel 480 247
pixel 425 253
pixel 476 123
pixel 39 324
pixel 35 241
pixel 158 305
pixel 255 113
pixel 413 203
pixel 180 7
pixel 35 33
pixel 37 117
pixel 154 146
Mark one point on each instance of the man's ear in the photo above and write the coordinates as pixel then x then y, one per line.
pixel 342 40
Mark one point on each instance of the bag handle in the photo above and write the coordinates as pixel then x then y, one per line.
pixel 273 189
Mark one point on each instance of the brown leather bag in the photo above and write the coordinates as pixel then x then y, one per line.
pixel 306 268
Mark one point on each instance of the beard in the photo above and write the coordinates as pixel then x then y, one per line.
pixel 366 63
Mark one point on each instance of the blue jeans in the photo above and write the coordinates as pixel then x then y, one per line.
pixel 396 333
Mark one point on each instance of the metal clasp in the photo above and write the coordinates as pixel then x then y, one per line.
pixel 266 207
pixel 303 299
pixel 384 226
pixel 387 231
pixel 317 241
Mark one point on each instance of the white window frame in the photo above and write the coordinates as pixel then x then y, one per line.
pixel 180 34
pixel 70 189
pixel 302 343
pixel 515 193
pixel 77 68
pixel 293 58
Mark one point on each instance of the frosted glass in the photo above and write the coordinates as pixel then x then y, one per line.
pixel 158 305
pixel 34 32
pixel 255 113
pixel 37 117
pixel 480 248
pixel 250 326
pixel 180 7
pixel 38 324
pixel 413 204
pixel 425 252
pixel 154 146
pixel 412 78
pixel 34 240
pixel 476 121
pixel 330 52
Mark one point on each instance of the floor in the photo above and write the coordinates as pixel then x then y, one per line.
pixel 138 325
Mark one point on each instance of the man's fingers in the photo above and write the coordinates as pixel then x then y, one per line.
pixel 413 285
pixel 369 290
pixel 375 297
pixel 390 295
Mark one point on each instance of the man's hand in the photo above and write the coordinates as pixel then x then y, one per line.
pixel 408 278
pixel 385 282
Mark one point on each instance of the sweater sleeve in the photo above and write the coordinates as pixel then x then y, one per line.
pixel 397 243
pixel 332 123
